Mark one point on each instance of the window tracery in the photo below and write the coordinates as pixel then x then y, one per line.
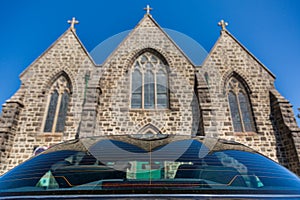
pixel 240 107
pixel 59 97
pixel 149 83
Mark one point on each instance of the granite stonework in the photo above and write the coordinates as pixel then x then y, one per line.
pixel 100 97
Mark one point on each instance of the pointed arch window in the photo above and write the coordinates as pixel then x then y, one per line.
pixel 59 97
pixel 240 107
pixel 149 82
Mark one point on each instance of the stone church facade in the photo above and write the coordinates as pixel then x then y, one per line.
pixel 148 85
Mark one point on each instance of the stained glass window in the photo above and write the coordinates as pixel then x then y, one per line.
pixel 149 87
pixel 240 109
pixel 58 106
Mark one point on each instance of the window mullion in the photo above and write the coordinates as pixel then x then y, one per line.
pixel 143 91
pixel 167 90
pixel 155 92
pixel 46 113
pixel 240 111
pixel 56 112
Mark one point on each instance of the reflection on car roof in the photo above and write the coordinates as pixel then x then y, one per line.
pixel 213 144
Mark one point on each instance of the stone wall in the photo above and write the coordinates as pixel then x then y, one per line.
pixel 8 127
pixel 286 132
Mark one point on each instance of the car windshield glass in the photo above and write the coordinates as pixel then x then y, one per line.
pixel 182 165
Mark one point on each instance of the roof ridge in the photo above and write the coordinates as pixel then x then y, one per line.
pixel 148 16
pixel 243 47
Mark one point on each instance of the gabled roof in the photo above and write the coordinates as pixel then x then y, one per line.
pixel 225 31
pixel 69 30
pixel 243 47
pixel 141 23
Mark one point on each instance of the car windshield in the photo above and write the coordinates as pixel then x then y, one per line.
pixel 124 164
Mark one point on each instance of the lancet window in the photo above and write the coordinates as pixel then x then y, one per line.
pixel 240 107
pixel 58 101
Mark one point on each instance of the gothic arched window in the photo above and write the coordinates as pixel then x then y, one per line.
pixel 149 82
pixel 58 106
pixel 240 107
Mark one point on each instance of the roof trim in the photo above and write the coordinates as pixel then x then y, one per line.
pixel 173 42
pixel 243 47
pixel 210 52
pixel 157 25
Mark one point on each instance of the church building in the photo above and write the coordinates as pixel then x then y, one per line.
pixel 148 85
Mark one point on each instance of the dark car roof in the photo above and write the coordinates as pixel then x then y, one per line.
pixel 150 166
pixel 141 141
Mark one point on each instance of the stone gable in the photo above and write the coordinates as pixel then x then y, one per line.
pixel 65 57
pixel 114 115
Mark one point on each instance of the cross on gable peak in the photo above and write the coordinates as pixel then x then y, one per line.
pixel 73 22
pixel 223 24
pixel 148 9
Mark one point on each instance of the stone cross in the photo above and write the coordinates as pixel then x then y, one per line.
pixel 223 24
pixel 148 9
pixel 73 22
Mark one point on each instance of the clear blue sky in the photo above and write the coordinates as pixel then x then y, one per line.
pixel 270 29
